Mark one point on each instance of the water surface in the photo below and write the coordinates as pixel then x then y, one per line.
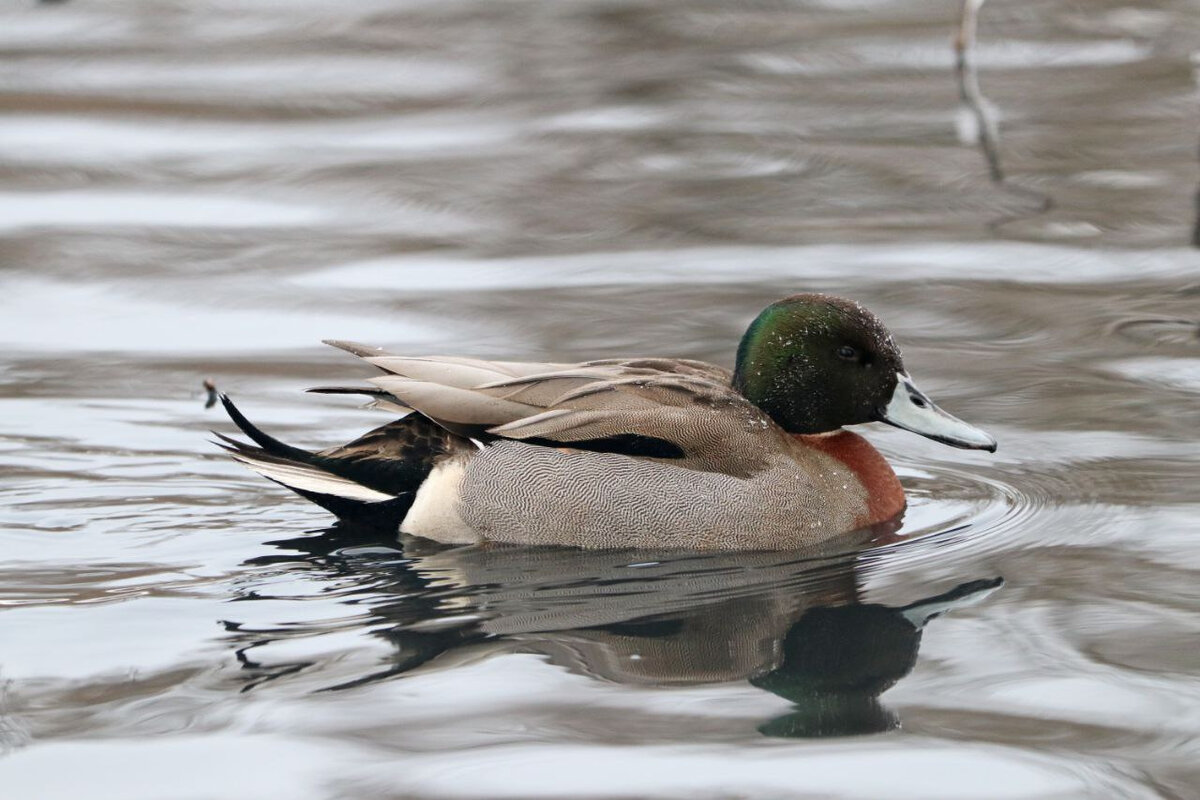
pixel 206 190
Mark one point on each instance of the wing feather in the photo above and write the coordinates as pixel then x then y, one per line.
pixel 441 371
pixel 688 404
pixel 452 404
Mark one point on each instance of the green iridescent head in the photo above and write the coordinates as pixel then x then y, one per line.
pixel 815 362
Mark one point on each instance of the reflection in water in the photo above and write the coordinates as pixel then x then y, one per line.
pixel 1196 224
pixel 983 128
pixel 836 661
pixel 978 120
pixel 791 623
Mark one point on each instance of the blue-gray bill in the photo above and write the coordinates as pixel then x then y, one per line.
pixel 911 410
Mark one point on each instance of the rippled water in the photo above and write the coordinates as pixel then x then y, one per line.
pixel 205 190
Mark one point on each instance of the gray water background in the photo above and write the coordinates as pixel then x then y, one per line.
pixel 207 189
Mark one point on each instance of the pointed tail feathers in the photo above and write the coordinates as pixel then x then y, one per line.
pixel 320 479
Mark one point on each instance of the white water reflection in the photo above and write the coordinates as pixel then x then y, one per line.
pixel 826 264
pixel 54 139
pixel 933 54
pixel 933 772
pixel 244 766
pixel 350 76
pixel 84 208
pixel 95 317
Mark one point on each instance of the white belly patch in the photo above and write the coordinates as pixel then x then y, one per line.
pixel 434 512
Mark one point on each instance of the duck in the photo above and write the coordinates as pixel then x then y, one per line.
pixel 644 452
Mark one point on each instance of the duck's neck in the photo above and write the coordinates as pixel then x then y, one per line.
pixel 885 495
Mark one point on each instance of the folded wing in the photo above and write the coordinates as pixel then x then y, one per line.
pixel 689 406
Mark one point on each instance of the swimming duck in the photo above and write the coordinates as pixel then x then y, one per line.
pixel 640 452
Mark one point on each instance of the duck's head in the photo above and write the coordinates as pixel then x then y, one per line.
pixel 815 362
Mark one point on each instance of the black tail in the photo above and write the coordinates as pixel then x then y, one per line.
pixel 352 486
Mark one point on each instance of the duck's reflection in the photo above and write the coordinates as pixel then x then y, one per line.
pixel 792 624
pixel 835 661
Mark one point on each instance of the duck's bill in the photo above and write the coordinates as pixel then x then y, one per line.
pixel 911 410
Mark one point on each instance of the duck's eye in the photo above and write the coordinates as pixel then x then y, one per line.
pixel 847 352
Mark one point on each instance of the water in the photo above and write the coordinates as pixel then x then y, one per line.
pixel 205 190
